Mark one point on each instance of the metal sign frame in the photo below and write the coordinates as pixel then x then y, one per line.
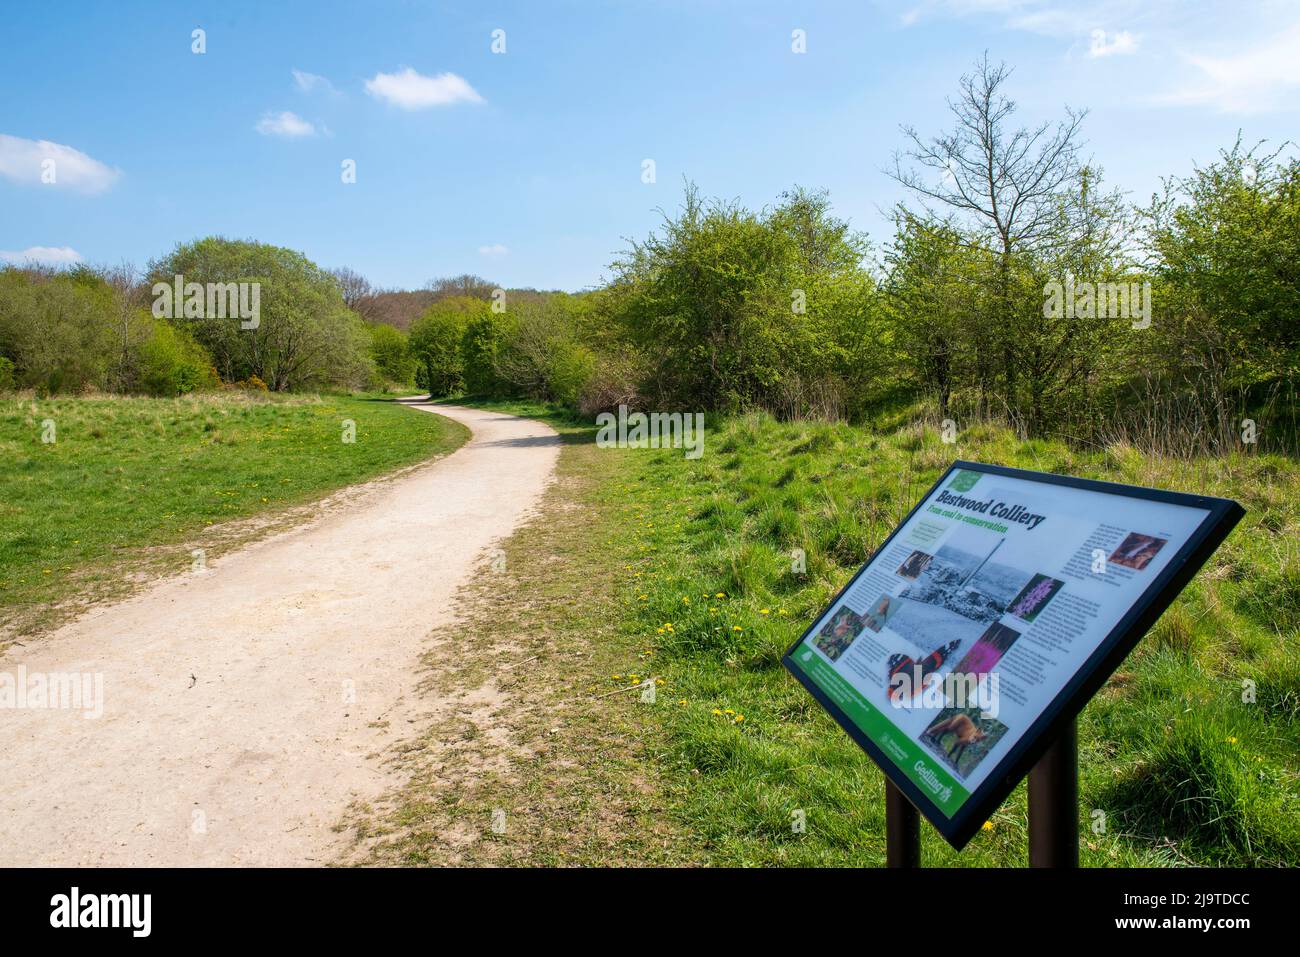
pixel 1222 516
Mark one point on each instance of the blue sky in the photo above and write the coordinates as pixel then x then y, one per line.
pixel 526 166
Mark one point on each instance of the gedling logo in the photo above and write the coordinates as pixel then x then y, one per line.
pixel 103 910
pixel 931 780
pixel 215 300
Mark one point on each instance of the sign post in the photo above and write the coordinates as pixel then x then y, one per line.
pixel 1054 804
pixel 960 654
pixel 902 829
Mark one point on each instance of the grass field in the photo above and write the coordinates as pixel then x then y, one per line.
pixel 97 492
pixel 703 598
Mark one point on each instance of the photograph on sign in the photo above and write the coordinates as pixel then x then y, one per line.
pixel 976 615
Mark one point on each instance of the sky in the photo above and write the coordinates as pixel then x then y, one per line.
pixel 513 140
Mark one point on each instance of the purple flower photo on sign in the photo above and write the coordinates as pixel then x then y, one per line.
pixel 1034 597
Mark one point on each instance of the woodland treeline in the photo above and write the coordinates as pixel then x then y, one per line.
pixel 996 298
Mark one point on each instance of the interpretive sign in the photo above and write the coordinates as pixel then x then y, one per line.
pixel 987 620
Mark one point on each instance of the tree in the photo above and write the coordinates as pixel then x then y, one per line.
pixel 1226 241
pixel 732 307
pixel 304 334
pixel 356 291
pixel 1004 183
pixel 479 347
pixel 435 344
pixel 933 297
pixel 466 284
pixel 57 327
pixel 391 354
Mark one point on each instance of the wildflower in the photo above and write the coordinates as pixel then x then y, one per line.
pixel 987 826
pixel 1232 740
pixel 764 611
pixel 736 628
pixel 682 702
pixel 720 594
pixel 739 718
pixel 728 711
pixel 716 711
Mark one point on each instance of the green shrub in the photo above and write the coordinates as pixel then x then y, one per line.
pixel 391 353
pixel 172 363
pixel 570 369
pixel 435 344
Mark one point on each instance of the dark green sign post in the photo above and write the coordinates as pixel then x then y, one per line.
pixel 960 655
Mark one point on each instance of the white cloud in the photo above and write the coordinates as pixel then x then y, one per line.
pixel 409 90
pixel 45 255
pixel 1104 44
pixel 927 9
pixel 40 162
pixel 285 124
pixel 311 82
pixel 496 249
pixel 1258 80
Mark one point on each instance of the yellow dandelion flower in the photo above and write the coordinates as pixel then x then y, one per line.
pixel 739 718
pixel 716 711
pixel 721 594
pixel 765 611
pixel 728 711
pixel 986 826
pixel 736 628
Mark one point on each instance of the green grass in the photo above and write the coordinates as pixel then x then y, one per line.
pixel 1183 769
pixel 522 720
pixel 133 483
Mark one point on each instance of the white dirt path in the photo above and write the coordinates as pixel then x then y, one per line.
pixel 245 706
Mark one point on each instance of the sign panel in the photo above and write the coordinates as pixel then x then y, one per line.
pixel 988 619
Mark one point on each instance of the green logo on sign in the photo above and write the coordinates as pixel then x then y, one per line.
pixel 963 480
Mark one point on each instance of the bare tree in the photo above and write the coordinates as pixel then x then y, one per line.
pixel 355 287
pixel 465 284
pixel 130 325
pixel 1005 180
